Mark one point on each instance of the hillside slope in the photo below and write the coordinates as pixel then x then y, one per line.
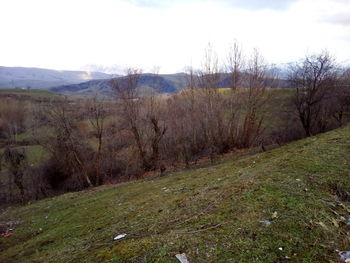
pixel 289 204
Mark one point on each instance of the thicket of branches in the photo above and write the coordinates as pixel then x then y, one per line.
pixel 93 142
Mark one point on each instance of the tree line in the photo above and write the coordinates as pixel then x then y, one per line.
pixel 89 142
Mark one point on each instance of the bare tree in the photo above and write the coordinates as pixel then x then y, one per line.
pixel 211 98
pixel 190 116
pixel 16 163
pixel 142 117
pixel 158 127
pixel 255 97
pixel 12 118
pixel 97 116
pixel 67 146
pixel 340 99
pixel 154 108
pixel 127 95
pixel 312 79
pixel 234 69
pixel 235 64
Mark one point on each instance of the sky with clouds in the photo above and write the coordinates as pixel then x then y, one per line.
pixel 166 34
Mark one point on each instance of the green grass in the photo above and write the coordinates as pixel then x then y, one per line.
pixel 36 154
pixel 34 93
pixel 212 213
pixel 20 138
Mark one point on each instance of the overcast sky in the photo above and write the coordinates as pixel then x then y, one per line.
pixel 167 34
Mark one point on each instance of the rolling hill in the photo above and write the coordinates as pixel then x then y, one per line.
pixel 290 204
pixel 164 84
pixel 171 83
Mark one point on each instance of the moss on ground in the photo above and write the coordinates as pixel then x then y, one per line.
pixel 213 214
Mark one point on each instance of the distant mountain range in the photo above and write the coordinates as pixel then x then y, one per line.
pixel 38 78
pixel 89 84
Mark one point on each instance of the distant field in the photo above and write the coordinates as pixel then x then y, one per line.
pixel 28 93
pixel 285 205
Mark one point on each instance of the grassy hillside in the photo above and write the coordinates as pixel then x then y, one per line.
pixel 289 204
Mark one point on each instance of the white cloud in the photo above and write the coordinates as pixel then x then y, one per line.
pixel 65 34
pixel 248 4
